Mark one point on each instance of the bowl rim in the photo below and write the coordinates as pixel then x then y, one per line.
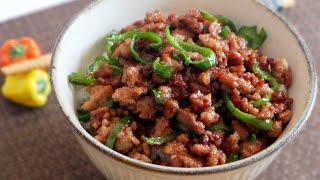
pixel 203 170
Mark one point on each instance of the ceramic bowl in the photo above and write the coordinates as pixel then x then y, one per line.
pixel 82 40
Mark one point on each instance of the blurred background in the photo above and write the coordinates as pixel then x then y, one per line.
pixel 15 8
pixel 39 144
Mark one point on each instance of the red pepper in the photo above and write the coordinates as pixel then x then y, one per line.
pixel 16 50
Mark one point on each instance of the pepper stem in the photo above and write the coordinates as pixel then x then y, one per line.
pixel 17 51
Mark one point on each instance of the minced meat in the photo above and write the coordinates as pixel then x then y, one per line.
pixel 187 107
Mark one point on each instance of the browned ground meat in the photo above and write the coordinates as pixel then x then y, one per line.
pixel 123 50
pixel 146 107
pixel 200 101
pixel 282 71
pixel 170 108
pixel 125 140
pixel 99 94
pixel 240 129
pixel 276 129
pixel 200 149
pixel 209 117
pixel 127 96
pixel 140 156
pixel 215 157
pixel 162 128
pixel 230 145
pixel 249 148
pixel 131 76
pixel 190 108
pixel 189 119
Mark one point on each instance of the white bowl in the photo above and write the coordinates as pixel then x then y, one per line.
pixel 82 40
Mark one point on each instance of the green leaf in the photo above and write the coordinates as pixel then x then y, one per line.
pixel 254 38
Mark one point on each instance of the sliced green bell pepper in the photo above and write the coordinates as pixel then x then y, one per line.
pixel 265 124
pixel 262 101
pixel 79 78
pixel 266 76
pixel 151 36
pixel 158 140
pixel 162 70
pixel 208 61
pixel 116 130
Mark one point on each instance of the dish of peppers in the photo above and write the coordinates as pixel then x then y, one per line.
pixel 192 90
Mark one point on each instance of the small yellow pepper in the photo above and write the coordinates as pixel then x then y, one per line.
pixel 30 89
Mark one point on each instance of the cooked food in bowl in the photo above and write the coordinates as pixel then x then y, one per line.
pixel 185 91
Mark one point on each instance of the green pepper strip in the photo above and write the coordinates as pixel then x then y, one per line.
pixel 262 101
pixel 232 158
pixel 115 38
pixel 253 137
pixel 79 78
pixel 223 20
pixel 245 117
pixel 111 104
pixel 111 41
pixel 151 36
pixel 209 59
pixel 162 70
pixel 225 31
pixel 84 117
pixel 158 97
pixel 218 104
pixel 183 128
pixel 266 76
pixel 116 130
pixel 220 126
pixel 172 41
pixel 114 65
pixel 158 140
pixel 208 16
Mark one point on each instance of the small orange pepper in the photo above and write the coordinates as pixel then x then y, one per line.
pixel 16 50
